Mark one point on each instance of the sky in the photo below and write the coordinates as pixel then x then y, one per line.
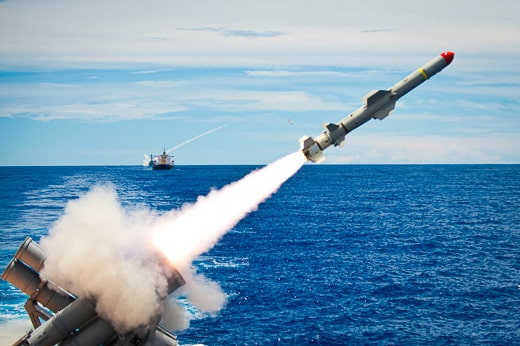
pixel 105 82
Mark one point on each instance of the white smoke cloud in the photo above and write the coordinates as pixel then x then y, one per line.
pixel 174 316
pixel 203 293
pixel 100 250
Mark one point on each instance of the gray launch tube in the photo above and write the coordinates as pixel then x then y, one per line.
pixel 31 254
pixel 163 337
pixel 75 322
pixel 97 332
pixel 63 323
pixel 29 282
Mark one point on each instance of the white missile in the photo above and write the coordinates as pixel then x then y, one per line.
pixel 377 104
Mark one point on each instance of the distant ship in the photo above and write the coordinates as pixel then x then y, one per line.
pixel 161 162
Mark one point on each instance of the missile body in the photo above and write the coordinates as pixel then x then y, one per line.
pixel 377 104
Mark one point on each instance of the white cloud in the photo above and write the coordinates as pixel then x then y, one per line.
pixel 491 148
pixel 285 73
pixel 58 32
pixel 257 100
pixel 159 84
pixel 304 60
pixel 117 100
pixel 236 32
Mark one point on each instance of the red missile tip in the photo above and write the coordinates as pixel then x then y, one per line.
pixel 448 56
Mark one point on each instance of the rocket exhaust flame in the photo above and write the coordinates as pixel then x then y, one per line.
pixel 197 227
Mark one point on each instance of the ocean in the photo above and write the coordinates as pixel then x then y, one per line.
pixel 339 255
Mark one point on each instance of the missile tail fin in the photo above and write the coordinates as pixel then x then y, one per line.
pixel 384 112
pixel 311 149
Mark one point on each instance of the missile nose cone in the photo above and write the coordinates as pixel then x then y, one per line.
pixel 448 56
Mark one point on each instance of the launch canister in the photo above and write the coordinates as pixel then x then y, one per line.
pixel 377 104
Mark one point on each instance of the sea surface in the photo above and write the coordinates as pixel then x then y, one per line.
pixel 340 255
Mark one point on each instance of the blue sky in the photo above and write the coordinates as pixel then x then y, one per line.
pixel 104 82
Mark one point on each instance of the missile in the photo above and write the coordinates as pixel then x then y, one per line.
pixel 377 104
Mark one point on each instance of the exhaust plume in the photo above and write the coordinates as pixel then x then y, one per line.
pixel 194 138
pixel 184 235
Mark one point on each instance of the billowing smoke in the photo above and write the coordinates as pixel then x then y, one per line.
pixel 98 249
pixel 101 250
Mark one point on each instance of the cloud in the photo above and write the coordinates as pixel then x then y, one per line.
pixel 236 32
pixel 153 95
pixel 233 100
pixel 159 84
pixel 107 111
pixel 206 28
pixel 489 148
pixel 372 31
pixel 286 73
pixel 222 59
pixel 252 34
pixel 57 33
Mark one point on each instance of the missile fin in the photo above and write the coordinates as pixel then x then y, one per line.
pixel 331 127
pixel 311 149
pixel 374 96
pixel 384 112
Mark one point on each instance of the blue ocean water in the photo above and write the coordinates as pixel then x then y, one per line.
pixel 340 255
